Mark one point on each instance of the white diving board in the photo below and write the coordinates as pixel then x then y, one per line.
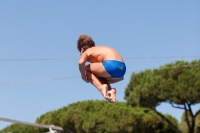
pixel 32 124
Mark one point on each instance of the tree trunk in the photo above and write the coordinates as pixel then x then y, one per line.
pixel 198 129
pixel 169 122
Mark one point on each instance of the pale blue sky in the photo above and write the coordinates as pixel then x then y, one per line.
pixel 49 29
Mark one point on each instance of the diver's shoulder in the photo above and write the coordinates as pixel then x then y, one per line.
pixel 102 46
pixel 98 48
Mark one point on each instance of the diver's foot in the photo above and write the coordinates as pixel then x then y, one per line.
pixel 104 91
pixel 112 95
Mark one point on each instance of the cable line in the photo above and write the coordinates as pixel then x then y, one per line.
pixel 70 77
pixel 38 80
pixel 37 59
pixel 75 58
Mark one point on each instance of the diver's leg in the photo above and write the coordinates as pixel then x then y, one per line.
pixel 99 84
pixel 103 76
pixel 112 80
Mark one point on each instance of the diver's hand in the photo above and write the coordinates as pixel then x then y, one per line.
pixel 84 77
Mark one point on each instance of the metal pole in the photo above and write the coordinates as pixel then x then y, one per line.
pixel 31 124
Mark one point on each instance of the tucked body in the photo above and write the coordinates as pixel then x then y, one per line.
pixel 106 66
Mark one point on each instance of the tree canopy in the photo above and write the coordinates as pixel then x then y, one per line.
pixel 176 83
pixel 95 116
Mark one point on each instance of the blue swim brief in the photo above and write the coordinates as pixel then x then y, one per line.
pixel 115 68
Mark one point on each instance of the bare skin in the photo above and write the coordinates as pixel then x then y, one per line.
pixel 95 72
pixel 102 85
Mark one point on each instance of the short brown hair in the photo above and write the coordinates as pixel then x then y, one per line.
pixel 85 42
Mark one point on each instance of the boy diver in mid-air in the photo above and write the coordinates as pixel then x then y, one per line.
pixel 106 66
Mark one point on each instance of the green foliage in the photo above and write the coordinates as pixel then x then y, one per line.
pixel 175 85
pixel 19 128
pixel 103 117
pixel 99 117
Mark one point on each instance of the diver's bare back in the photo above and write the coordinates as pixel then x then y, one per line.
pixel 101 53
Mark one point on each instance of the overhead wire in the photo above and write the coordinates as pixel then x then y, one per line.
pixel 36 59
pixel 70 77
pixel 38 80
pixel 74 58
